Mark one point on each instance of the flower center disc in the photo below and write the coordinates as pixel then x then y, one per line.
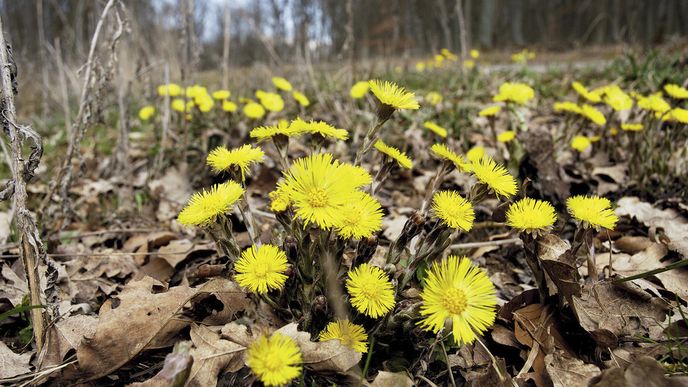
pixel 455 301
pixel 261 270
pixel 317 198
pixel 273 363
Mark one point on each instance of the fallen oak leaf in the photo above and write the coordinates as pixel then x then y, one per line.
pixel 565 371
pixel 64 336
pixel 329 355
pixel 13 364
pixel 175 371
pixel 212 355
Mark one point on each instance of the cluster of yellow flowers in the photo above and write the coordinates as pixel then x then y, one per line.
pixel 441 59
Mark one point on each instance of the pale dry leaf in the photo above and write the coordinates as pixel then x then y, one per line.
pixel 632 244
pixel 5 223
pixel 175 371
pixel 13 288
pixel 172 190
pixel 559 264
pixel 393 225
pixel 13 364
pixel 329 355
pixel 566 371
pixel 392 379
pixel 64 336
pixel 211 355
pixel 643 371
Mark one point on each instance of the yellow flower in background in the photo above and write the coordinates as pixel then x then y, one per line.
pixel 222 159
pixel 585 93
pixel 592 211
pixel 595 138
pixel 433 127
pixel 580 143
pixel 654 102
pixel 439 60
pixel 281 83
pixel 392 95
pixel 205 206
pixel 229 106
pixel 443 152
pixel 301 98
pixel 516 92
pixel 567 106
pixel 679 114
pixel 523 56
pixel 321 128
pixel 261 269
pixel 495 176
pixel 370 290
pixel 676 91
pixel 420 67
pixel 357 177
pixel 254 110
pixel 613 131
pixel 469 64
pixel 271 101
pixel 531 215
pixel 275 360
pixel 263 133
pixel 594 115
pixel 171 89
pixel 633 127
pixel 178 105
pixel 474 53
pixel 475 154
pixel 490 111
pixel 195 91
pixel 361 217
pixel 617 99
pixel 349 334
pixel 221 94
pixel 506 136
pixel 279 200
pixel 433 98
pixel 146 112
pixel 359 89
pixel 394 154
pixel 454 211
pixel 448 54
pixel 457 291
pixel 205 103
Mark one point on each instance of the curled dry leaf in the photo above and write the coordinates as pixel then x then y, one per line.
pixel 565 371
pixel 64 336
pixel 329 355
pixel 559 264
pixel 644 371
pixel 13 364
pixel 392 379
pixel 212 355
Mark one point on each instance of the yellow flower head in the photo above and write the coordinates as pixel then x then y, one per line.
pixel 254 110
pixel 594 115
pixel 393 96
pixel 495 176
pixel 357 177
pixel 676 91
pixel 370 290
pixel 281 83
pixel 519 93
pixel 146 113
pixel 617 99
pixel 229 106
pixel 271 101
pixel 299 126
pixel 171 89
pixel 205 206
pixel 301 98
pixel 633 127
pixel 223 159
pixel 360 217
pixel 456 290
pixel 178 105
pixel 349 334
pixel 279 200
pixel 205 103
pixel 490 111
pixel 433 127
pixel 679 114
pixel 475 154
pixel 469 64
pixel 613 131
pixel 454 211
pixel 195 91
pixel 221 94
pixel 420 67
pixel 394 154
pixel 531 215
pixel 319 188
pixel 263 133
pixel 583 92
pixel 261 269
pixel 474 53
pixel 359 89
pixel 275 360
pixel 654 102
pixel 444 153
pixel 592 211
pixel 580 143
pixel 567 106
pixel 433 98
pixel 506 136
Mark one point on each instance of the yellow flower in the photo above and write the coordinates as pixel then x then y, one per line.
pixel 221 94
pixel 354 175
pixel 447 54
pixel 275 360
pixel 195 91
pixel 263 133
pixel 567 106
pixel 580 143
pixel 229 106
pixel 583 92
pixel 299 126
pixel 370 290
pixel 506 136
pixel 594 115
pixel 676 91
pixel 205 206
pixel 319 188
pixel 531 215
pixel 178 105
pixel 349 334
pixel 654 102
pixel 454 211
pixel 433 127
pixel 254 110
pixel 592 211
pixel 633 127
pixel 474 53
pixel 443 152
pixel 205 103
pixel 613 131
pixel 457 291
pixel 146 113
pixel 261 269
pixel 281 83
pixel 495 176
pixel 433 98
pixel 394 154
pixel 475 154
pixel 420 67
pixel 490 111
pixel 279 200
pixel 170 89
pixel 361 217
pixel 469 64
pixel 617 99
pixel 393 96
pixel 271 101
pixel 359 89
pixel 223 159
pixel 519 93
pixel 301 98
pixel 679 114
pixel 595 138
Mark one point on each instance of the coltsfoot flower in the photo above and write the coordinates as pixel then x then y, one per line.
pixel 531 215
pixel 299 126
pixel 205 206
pixel 519 93
pixel 254 110
pixel 443 152
pixel 393 97
pixel 261 269
pixel 221 94
pixel 567 106
pixel 146 113
pixel 506 136
pixel 301 98
pixel 360 217
pixel 494 176
pixel 281 83
pixel 222 159
pixel 475 154
pixel 592 211
pixel 395 154
pixel 433 127
pixel 348 333
pixel 359 89
pixel 275 360
pixel 490 111
pixel 454 211
pixel 580 143
pixel 370 290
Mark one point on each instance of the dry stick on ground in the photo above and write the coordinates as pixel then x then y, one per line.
pixel 22 171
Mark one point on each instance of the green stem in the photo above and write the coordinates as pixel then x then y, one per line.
pixel 672 266
pixel 369 357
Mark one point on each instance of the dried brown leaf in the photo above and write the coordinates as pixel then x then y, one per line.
pixel 13 364
pixel 329 355
pixel 566 371
pixel 211 355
